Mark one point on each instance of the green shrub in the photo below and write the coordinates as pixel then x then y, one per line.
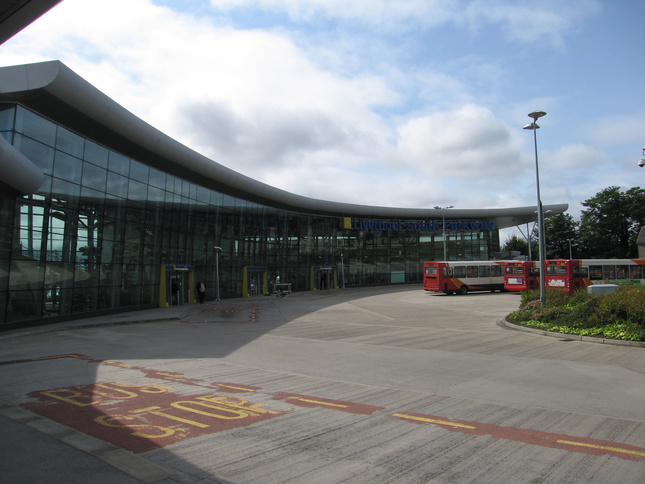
pixel 582 314
pixel 618 315
pixel 626 304
pixel 554 298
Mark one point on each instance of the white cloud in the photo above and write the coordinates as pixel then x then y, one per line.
pixel 468 143
pixel 402 14
pixel 523 20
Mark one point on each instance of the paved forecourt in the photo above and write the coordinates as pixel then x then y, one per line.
pixel 387 384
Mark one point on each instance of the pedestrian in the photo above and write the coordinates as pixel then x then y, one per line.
pixel 175 293
pixel 201 291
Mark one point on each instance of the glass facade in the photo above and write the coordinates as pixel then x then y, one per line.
pixel 102 227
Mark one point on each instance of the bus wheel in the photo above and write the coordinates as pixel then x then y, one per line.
pixel 463 289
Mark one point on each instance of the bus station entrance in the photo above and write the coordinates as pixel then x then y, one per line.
pixel 254 282
pixel 177 286
pixel 323 278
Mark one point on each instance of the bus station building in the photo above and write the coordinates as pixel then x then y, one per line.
pixel 101 212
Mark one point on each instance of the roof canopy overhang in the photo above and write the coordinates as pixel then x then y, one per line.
pixel 15 15
pixel 56 92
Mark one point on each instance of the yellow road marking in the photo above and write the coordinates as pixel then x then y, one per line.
pixel 322 403
pixel 602 447
pixel 234 387
pixel 430 420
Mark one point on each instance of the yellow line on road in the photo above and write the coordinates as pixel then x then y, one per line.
pixel 321 403
pixel 602 447
pixel 431 420
pixel 234 387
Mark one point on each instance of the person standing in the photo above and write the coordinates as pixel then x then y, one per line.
pixel 201 291
pixel 175 293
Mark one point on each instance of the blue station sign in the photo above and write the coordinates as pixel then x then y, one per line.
pixel 417 225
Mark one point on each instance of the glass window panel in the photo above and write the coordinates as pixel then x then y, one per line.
pixel 595 272
pixel 69 142
pixel 55 247
pixel 6 118
pixel 621 272
pixel 92 196
pixel 34 126
pixel 40 154
pixel 94 177
pixel 635 272
pixel 119 163
pixel 216 199
pixel 64 188
pixel 117 185
pixel 139 171
pixel 170 183
pixel 157 178
pixel 57 222
pixel 137 191
pixel 203 194
pixel 155 195
pixel 68 167
pixel 96 154
pixel 609 272
pixel 185 189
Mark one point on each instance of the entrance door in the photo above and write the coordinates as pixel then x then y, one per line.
pixel 254 281
pixel 323 278
pixel 177 286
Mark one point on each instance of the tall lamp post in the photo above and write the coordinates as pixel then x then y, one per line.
pixel 217 251
pixel 443 227
pixel 540 214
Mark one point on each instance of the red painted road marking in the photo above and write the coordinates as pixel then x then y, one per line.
pixel 533 437
pixel 100 397
pixel 143 418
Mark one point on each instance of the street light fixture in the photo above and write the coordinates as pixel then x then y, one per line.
pixel 540 214
pixel 217 251
pixel 443 226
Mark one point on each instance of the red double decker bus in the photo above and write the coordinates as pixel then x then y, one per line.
pixel 521 275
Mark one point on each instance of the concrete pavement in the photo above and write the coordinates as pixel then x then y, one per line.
pixel 385 384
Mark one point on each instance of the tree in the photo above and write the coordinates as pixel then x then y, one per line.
pixel 561 231
pixel 515 243
pixel 610 224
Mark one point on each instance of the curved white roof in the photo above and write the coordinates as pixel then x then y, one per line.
pixel 55 91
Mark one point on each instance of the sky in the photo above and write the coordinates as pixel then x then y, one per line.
pixel 401 103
